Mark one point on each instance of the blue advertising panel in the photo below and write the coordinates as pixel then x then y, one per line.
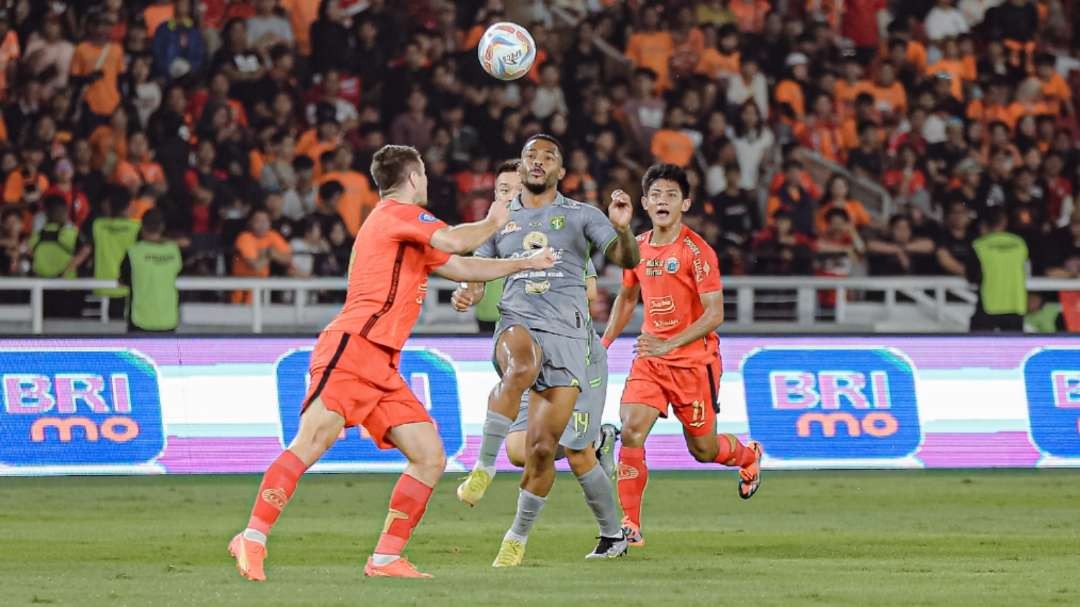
pixel 79 407
pixel 429 374
pixel 1052 381
pixel 821 403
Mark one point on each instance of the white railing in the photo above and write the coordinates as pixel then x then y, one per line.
pixel 946 300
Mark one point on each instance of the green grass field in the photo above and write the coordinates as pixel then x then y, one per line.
pixel 808 538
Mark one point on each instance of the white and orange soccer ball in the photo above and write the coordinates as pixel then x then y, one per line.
pixel 506 51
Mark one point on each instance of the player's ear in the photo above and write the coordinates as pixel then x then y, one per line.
pixel 562 173
pixel 686 205
pixel 644 202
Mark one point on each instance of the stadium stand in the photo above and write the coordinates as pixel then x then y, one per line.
pixel 837 139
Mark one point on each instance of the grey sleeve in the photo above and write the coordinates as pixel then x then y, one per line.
pixel 590 268
pixel 487 249
pixel 598 228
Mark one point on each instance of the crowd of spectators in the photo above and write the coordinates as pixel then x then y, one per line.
pixel 250 124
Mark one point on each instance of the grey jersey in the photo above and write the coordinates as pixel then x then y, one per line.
pixel 551 300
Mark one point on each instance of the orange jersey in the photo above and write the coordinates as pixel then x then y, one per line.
pixel 388 284
pixel 673 277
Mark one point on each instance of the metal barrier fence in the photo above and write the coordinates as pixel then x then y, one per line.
pixel 936 298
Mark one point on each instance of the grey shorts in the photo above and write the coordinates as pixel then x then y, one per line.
pixel 584 426
pixel 564 360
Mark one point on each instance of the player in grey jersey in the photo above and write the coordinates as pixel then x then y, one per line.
pixel 543 338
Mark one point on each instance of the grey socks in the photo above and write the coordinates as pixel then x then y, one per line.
pixel 496 426
pixel 528 509
pixel 600 496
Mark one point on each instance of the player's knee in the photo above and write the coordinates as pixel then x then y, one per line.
pixel 431 461
pixel 519 376
pixel 631 436
pixel 542 449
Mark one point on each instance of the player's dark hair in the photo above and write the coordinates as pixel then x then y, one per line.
pixel 392 163
pixel 549 138
pixel 669 172
pixel 508 166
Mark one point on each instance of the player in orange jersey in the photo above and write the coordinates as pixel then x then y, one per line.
pixel 678 360
pixel 354 375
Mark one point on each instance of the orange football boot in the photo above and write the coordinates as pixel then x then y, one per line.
pixel 398 568
pixel 750 476
pixel 249 557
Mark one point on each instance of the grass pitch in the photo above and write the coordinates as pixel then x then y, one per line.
pixel 808 538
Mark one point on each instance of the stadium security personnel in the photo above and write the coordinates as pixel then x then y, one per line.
pixel 150 269
pixel 58 250
pixel 1000 268
pixel 114 233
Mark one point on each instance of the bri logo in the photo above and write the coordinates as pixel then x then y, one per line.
pixel 1052 382
pixel 430 375
pixel 78 407
pixel 832 403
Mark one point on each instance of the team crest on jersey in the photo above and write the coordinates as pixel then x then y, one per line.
pixel 510 228
pixel 671 265
pixel 534 240
pixel 653 267
pixel 427 218
pixel 558 222
pixel 537 287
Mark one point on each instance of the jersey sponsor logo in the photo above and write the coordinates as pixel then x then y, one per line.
pixel 654 267
pixel 690 244
pixel 671 265
pixel 537 287
pixel 428 372
pixel 426 217
pixel 510 228
pixel 701 269
pixel 421 292
pixel 627 473
pixel 821 403
pixel 558 222
pixel 664 304
pixel 78 408
pixel 534 240
pixel 1052 382
pixel 660 325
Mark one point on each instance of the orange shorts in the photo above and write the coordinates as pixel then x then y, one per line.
pixel 359 380
pixel 691 391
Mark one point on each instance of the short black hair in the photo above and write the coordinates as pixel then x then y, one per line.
pixel 996 216
pixel 508 166
pixel 549 138
pixel 330 189
pixel 54 204
pixel 669 172
pixel 303 162
pixel 153 221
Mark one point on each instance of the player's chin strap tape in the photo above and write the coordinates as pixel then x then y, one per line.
pixel 712 390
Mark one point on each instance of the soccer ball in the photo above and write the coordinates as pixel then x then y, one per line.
pixel 506 51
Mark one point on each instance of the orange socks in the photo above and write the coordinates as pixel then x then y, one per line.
pixel 407 505
pixel 633 476
pixel 277 487
pixel 730 452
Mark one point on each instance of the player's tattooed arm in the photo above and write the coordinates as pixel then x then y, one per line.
pixel 480 269
pixel 467 294
pixel 467 237
pixel 709 321
pixel 623 251
pixel 621 312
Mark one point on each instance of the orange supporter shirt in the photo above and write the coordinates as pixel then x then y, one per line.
pixel 846 93
pixel 302 13
pixel 357 200
pixel 956 71
pixel 825 139
pixel 715 64
pixel 15 186
pixel 673 277
pixel 986 113
pixel 652 50
pixel 1056 91
pixel 248 247
pixel 387 289
pixel 102 95
pixel 892 99
pixel 672 147
pixel 916 54
pixel 156 14
pixel 750 14
pixel 135 174
pixel 855 210
pixel 789 92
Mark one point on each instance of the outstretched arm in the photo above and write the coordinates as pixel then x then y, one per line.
pixel 621 311
pixel 479 269
pixel 467 237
